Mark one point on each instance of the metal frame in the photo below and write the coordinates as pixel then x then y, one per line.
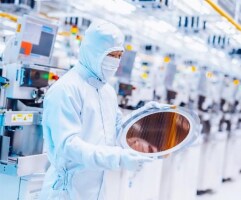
pixel 191 137
pixel 27 165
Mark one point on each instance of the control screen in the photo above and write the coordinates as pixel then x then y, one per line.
pixel 37 41
pixel 34 78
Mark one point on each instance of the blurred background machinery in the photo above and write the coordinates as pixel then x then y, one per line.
pixel 180 52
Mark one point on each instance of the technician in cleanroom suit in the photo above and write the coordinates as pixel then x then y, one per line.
pixel 81 121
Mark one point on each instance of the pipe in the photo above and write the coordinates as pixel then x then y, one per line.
pixel 8 16
pixel 224 14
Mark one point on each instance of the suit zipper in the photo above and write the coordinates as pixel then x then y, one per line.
pixel 101 113
pixel 102 119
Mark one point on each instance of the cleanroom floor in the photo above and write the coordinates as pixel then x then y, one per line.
pixel 228 191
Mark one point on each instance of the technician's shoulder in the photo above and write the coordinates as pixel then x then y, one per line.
pixel 68 85
pixel 110 88
pixel 110 91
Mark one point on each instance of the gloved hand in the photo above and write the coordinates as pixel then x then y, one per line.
pixel 91 156
pixel 153 104
pixel 132 161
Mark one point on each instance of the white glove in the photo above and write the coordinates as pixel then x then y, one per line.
pixel 153 104
pixel 102 157
pixel 132 161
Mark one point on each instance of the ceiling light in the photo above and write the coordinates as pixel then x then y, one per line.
pixel 182 7
pixel 197 6
pixel 9 24
pixel 117 6
pixel 166 26
pixel 235 61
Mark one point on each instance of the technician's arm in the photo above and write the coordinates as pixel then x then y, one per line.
pixel 119 121
pixel 63 120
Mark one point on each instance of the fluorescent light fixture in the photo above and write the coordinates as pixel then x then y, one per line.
pixel 9 24
pixel 125 6
pixel 198 47
pixel 166 26
pixel 221 54
pixel 2 47
pixel 198 6
pixel 235 61
pixel 225 26
pixel 179 36
pixel 6 32
pixel 237 37
pixel 174 42
pixel 117 6
pixel 182 7
pixel 43 0
pixel 57 45
pixel 214 51
pixel 214 61
pixel 194 44
pixel 188 40
pixel 159 26
pixel 206 8
pixel 200 40
pixel 230 31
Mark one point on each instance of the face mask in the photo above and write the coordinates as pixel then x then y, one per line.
pixel 109 67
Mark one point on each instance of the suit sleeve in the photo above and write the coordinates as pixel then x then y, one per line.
pixel 62 127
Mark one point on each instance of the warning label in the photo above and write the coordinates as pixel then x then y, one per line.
pixel 22 118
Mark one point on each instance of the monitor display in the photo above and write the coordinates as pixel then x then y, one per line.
pixel 125 89
pixel 37 41
pixel 34 78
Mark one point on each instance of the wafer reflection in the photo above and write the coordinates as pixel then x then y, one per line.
pixel 158 132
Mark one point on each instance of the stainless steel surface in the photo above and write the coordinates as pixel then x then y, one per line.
pixel 27 165
pixel 4 148
pixel 20 118
pixel 9 187
pixel 232 164
pixel 179 175
pixel 24 130
pixel 21 188
pixel 211 161
pixel 30 187
pixel 27 141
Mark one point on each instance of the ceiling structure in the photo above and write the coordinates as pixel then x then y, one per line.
pixel 153 23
